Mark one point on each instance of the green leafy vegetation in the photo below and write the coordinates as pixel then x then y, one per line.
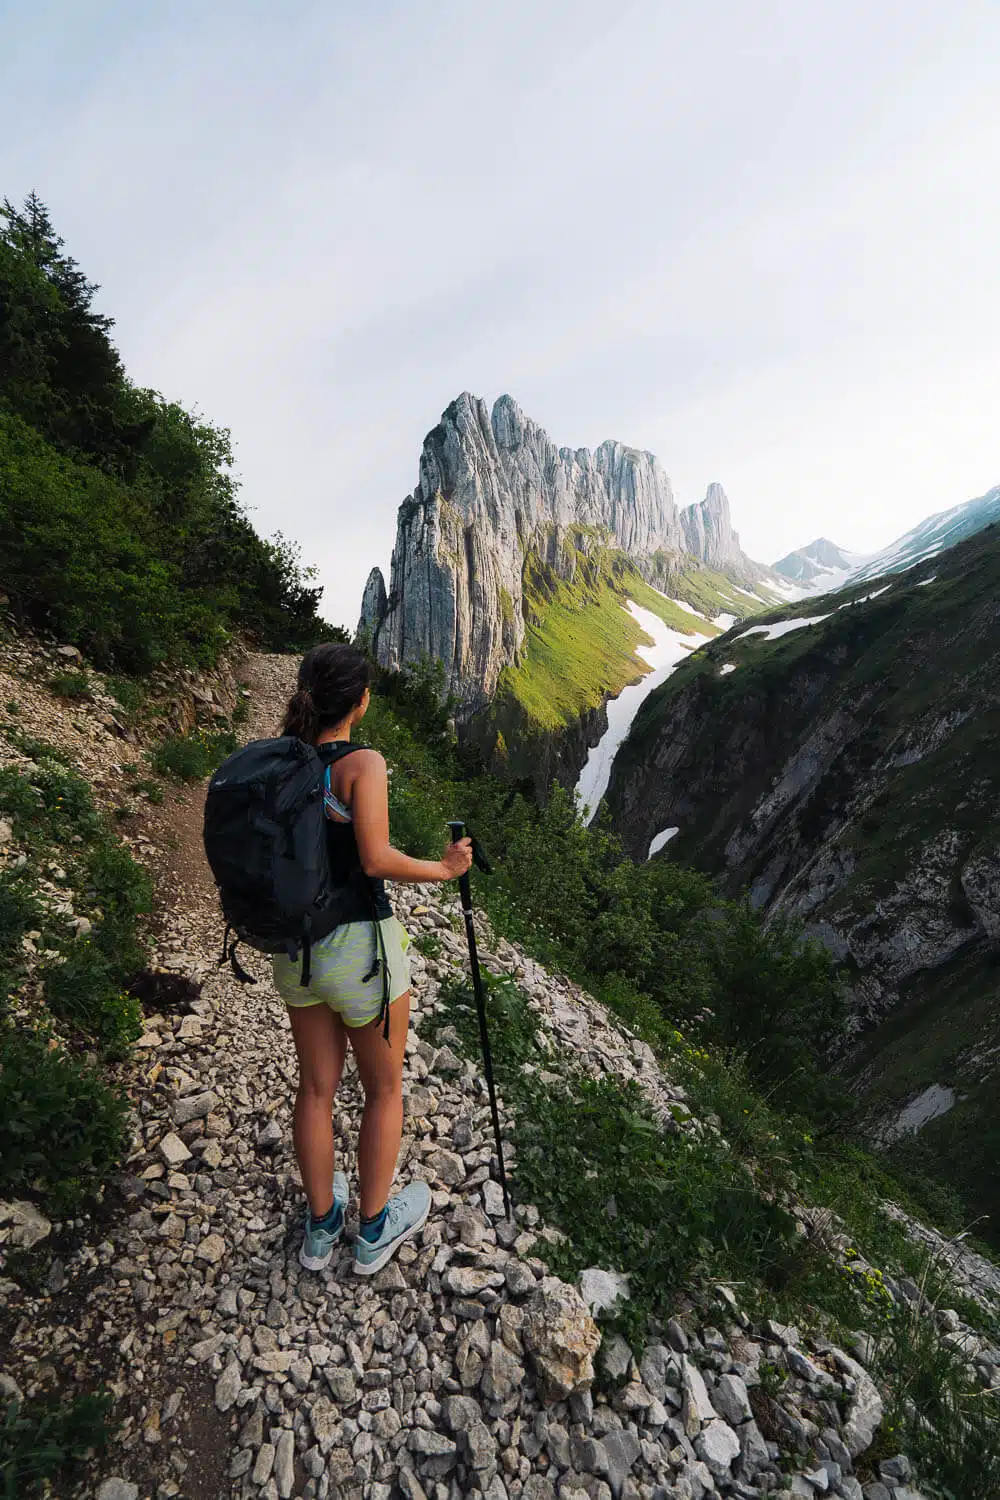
pixel 660 1206
pixel 63 1127
pixel 130 694
pixel 44 1440
pixel 740 1013
pixel 70 685
pixel 120 524
pixel 580 641
pixel 191 757
pixel 427 944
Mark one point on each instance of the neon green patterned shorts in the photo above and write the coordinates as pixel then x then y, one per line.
pixel 339 964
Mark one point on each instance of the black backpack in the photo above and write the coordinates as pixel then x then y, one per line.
pixel 266 841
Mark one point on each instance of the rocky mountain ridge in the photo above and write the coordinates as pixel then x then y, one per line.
pixel 842 766
pixel 932 536
pixel 494 492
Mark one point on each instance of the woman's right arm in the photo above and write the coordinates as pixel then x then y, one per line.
pixel 370 814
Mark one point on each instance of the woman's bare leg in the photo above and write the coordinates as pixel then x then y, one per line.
pixel 380 1066
pixel 321 1045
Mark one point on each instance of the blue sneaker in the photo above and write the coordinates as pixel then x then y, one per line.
pixel 404 1216
pixel 318 1244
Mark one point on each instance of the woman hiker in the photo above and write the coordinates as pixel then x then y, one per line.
pixel 359 991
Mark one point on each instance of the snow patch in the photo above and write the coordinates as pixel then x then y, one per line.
pixel 779 628
pixel 729 667
pixel 658 840
pixel 865 597
pixel 923 582
pixel 726 621
pixel 669 649
pixel 682 604
pixel 930 1105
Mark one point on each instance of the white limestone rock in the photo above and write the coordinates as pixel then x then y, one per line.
pixel 560 1338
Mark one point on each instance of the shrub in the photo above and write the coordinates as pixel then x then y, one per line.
pixel 129 694
pixel 83 990
pixel 42 1440
pixel 123 890
pixel 62 1129
pixel 191 757
pixel 937 1413
pixel 19 913
pixel 70 685
pixel 776 998
pixel 47 801
pixel 593 1159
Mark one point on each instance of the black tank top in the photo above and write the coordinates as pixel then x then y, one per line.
pixel 345 861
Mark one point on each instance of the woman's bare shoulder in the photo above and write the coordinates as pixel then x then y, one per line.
pixel 366 760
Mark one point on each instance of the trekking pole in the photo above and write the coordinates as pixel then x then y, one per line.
pixel 465 891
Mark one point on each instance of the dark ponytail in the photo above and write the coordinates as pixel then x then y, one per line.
pixel 301 718
pixel 332 681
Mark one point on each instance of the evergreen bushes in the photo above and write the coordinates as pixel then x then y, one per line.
pixel 120 526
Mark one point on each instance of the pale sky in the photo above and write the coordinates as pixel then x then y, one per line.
pixel 758 237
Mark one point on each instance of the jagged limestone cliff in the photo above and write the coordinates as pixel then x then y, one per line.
pixel 499 505
pixel 709 535
pixel 493 489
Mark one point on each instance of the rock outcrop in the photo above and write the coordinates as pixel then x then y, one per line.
pixel 493 487
pixel 709 535
pixel 493 490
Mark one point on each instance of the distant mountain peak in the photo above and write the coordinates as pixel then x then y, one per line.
pixel 820 566
pixel 492 488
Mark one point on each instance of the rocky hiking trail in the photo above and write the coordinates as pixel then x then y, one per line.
pixel 463 1369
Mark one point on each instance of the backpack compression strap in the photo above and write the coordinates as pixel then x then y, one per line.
pixel 229 955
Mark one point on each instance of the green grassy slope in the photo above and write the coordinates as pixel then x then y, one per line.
pixel 581 640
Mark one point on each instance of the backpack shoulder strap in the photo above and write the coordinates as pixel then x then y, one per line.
pixel 335 750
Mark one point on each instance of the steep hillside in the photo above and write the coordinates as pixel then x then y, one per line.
pixel 666 1313
pixel 843 766
pixel 120 523
pixel 933 536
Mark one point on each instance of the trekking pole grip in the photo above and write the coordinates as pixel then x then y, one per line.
pixel 457 829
